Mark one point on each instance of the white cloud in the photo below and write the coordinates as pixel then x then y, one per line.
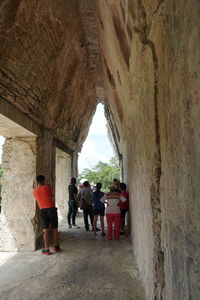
pixel 98 129
pixel 98 125
pixel 97 146
pixel 91 154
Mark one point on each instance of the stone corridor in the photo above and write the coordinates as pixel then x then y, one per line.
pixel 140 58
pixel 88 268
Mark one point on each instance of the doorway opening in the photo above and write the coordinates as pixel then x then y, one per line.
pixel 98 161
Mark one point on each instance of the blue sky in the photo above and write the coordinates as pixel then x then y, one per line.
pixel 96 147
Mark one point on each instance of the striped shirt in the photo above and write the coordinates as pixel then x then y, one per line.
pixel 113 199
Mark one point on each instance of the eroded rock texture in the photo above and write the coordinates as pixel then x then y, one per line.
pixel 18 213
pixel 44 59
pixel 52 76
pixel 151 62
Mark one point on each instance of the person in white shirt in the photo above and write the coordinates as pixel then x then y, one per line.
pixel 112 199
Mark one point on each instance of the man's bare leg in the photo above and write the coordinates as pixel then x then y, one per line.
pixel 56 236
pixel 46 238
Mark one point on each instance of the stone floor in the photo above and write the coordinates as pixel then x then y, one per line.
pixel 90 267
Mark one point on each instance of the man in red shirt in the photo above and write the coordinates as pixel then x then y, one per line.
pixel 48 212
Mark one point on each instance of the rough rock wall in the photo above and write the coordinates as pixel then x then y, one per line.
pixel 179 109
pixel 46 81
pixel 150 54
pixel 151 62
pixel 17 222
pixel 44 66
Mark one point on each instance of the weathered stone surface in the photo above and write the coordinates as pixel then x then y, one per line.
pixel 151 65
pixel 47 69
pixel 63 177
pixel 17 219
pixel 50 74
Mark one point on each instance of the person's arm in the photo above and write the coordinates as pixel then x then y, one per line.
pixel 103 199
pixel 79 195
pixel 123 199
pixel 34 196
pixel 34 184
pixel 93 198
pixel 52 196
pixel 75 194
pixel 75 198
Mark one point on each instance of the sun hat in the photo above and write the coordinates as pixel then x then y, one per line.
pixel 112 185
pixel 82 180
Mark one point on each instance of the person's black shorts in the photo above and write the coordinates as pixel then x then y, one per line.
pixel 123 213
pixel 48 216
pixel 100 212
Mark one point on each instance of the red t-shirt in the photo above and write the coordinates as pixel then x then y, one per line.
pixel 124 205
pixel 43 196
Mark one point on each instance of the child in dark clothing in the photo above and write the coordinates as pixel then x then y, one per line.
pixel 99 208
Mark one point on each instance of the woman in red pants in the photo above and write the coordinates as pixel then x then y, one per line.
pixel 112 199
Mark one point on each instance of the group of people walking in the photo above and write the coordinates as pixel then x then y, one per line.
pixel 96 203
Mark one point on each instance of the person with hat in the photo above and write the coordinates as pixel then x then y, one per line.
pixel 117 183
pixel 112 199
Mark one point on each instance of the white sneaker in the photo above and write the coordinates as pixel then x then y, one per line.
pixel 75 226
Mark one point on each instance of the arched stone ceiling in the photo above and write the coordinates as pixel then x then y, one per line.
pixel 51 72
pixel 50 64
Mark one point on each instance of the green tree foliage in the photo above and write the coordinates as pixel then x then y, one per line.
pixel 102 172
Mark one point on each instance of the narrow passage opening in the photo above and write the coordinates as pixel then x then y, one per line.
pixel 97 161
